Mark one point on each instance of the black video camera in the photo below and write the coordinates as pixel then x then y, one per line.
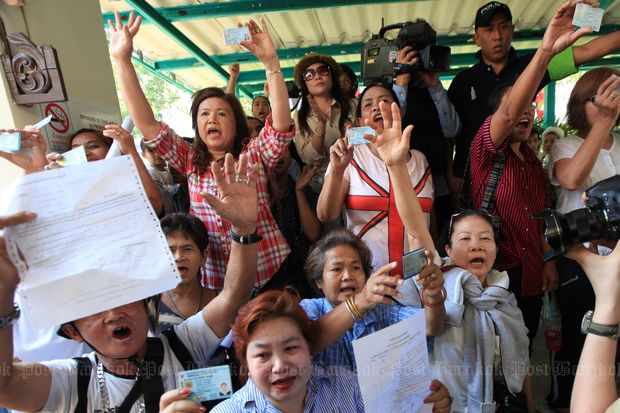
pixel 379 53
pixel 600 219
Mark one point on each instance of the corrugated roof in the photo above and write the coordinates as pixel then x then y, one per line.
pixel 337 26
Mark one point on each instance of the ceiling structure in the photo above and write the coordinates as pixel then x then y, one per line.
pixel 182 41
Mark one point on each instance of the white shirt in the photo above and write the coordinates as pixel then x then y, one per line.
pixel 195 334
pixel 377 237
pixel 607 164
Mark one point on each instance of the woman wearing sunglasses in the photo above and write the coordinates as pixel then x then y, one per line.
pixel 323 113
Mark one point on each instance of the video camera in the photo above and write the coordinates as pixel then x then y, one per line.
pixel 379 53
pixel 600 219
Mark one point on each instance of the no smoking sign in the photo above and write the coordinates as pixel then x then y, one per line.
pixel 61 122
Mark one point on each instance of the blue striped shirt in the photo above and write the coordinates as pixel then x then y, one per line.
pixel 333 390
pixel 341 352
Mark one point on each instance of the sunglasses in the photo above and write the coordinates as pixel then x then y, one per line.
pixel 495 221
pixel 310 74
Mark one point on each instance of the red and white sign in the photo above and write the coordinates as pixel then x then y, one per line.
pixel 61 122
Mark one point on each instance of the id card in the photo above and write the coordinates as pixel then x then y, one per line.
pixel 355 136
pixel 43 122
pixel 236 35
pixel 210 383
pixel 10 141
pixel 413 262
pixel 75 156
pixel 586 15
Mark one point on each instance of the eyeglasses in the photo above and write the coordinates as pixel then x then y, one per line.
pixel 310 74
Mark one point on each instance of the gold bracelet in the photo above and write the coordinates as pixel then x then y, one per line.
pixel 444 296
pixel 273 72
pixel 354 308
pixel 348 305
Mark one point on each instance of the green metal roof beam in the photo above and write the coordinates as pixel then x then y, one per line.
pixel 146 9
pixel 161 75
pixel 245 7
pixel 339 50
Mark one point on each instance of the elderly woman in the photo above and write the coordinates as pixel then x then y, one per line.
pixel 576 163
pixel 220 125
pixel 324 111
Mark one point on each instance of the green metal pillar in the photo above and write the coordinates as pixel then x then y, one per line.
pixel 549 118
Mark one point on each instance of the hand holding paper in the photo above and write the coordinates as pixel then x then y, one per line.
pixel 30 154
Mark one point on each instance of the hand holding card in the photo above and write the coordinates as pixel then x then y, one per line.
pixel 588 16
pixel 236 35
pixel 355 136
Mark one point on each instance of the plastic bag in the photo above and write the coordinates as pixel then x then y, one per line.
pixel 552 322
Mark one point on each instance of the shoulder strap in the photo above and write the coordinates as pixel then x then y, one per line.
pixel 179 350
pixel 488 201
pixel 84 369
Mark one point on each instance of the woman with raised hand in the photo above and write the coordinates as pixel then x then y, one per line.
pixel 220 126
pixel 360 180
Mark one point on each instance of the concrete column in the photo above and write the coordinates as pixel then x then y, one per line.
pixel 75 29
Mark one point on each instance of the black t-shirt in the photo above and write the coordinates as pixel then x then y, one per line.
pixel 427 136
pixel 469 93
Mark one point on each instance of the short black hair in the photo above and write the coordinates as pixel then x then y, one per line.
pixel 495 98
pixel 187 225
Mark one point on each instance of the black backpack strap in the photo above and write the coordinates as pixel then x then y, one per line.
pixel 84 370
pixel 179 350
pixel 499 163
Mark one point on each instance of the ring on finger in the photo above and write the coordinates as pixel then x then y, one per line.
pixel 434 276
pixel 118 133
pixel 376 289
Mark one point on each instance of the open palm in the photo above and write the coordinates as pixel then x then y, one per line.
pixel 392 143
pixel 121 35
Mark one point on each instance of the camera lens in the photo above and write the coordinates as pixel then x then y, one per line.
pixel 576 227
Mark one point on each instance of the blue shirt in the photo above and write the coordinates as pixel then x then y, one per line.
pixel 341 352
pixel 330 390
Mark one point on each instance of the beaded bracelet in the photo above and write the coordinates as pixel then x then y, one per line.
pixel 444 296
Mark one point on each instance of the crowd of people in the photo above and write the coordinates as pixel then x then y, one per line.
pixel 289 239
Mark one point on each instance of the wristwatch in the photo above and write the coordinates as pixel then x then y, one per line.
pixel 605 330
pixel 10 319
pixel 246 239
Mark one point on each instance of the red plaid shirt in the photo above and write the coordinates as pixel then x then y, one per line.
pixel 521 192
pixel 265 150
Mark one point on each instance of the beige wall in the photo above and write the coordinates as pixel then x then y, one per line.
pixel 75 29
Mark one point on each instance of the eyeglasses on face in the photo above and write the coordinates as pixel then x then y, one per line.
pixel 310 74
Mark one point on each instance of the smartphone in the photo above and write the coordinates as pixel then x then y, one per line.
pixel 413 262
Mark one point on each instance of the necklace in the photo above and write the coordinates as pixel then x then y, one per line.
pixel 180 314
pixel 105 397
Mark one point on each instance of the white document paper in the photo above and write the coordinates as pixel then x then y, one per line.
pixel 96 243
pixel 392 367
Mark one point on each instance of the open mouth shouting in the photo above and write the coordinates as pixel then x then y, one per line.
pixel 284 383
pixel 121 333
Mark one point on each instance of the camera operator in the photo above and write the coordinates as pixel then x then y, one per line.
pixel 576 163
pixel 425 104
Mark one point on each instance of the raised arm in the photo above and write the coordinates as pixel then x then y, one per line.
pixel 232 80
pixel 336 187
pixel 595 383
pixel 393 147
pixel 571 173
pixel 558 36
pixel 121 47
pixel 238 204
pixel 261 46
pixel 23 386
pixel 596 48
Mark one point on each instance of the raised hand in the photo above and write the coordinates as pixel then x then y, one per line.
pixel 430 279
pixel 234 70
pixel 391 143
pixel 238 202
pixel 323 117
pixel 379 289
pixel 121 35
pixel 559 34
pixel 260 44
pixel 124 138
pixel 31 156
pixel 340 154
pixel 306 175
pixel 606 100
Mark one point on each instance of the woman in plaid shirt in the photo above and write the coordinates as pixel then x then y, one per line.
pixel 220 126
